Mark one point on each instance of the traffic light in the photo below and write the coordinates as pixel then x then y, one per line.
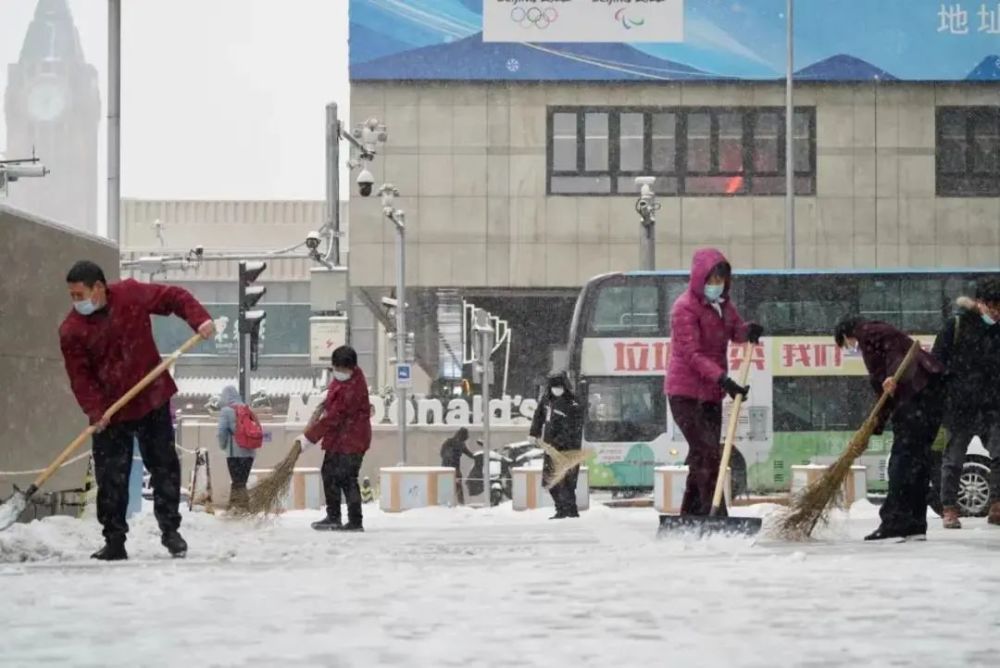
pixel 250 320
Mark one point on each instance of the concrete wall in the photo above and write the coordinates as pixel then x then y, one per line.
pixel 470 162
pixel 423 447
pixel 38 413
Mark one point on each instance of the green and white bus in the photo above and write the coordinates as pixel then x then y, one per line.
pixel 807 396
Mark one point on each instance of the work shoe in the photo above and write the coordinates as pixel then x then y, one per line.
pixel 328 524
pixel 176 546
pixel 949 518
pixel 112 551
pixel 994 516
pixel 882 533
pixel 352 526
pixel 560 515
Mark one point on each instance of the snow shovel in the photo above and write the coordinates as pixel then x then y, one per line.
pixel 713 523
pixel 12 508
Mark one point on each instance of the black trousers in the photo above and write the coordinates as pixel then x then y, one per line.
pixel 701 424
pixel 340 475
pixel 563 492
pixel 459 490
pixel 914 427
pixel 239 472
pixel 113 462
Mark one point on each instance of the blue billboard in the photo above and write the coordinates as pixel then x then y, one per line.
pixel 835 40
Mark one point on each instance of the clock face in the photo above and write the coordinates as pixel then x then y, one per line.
pixel 47 100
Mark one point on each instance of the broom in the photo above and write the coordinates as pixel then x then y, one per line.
pixel 812 505
pixel 563 462
pixel 266 496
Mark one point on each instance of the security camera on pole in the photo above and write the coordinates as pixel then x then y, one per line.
pixel 647 206
pixel 250 321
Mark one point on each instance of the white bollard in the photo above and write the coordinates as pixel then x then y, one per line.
pixel 668 488
pixel 405 487
pixel 305 491
pixel 529 493
pixel 855 485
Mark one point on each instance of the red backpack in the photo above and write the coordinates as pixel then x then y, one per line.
pixel 249 434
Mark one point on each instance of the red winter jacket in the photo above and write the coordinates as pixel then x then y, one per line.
pixel 345 427
pixel 699 336
pixel 108 352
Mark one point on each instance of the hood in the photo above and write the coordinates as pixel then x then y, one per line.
pixel 559 378
pixel 230 395
pixel 702 264
pixel 965 305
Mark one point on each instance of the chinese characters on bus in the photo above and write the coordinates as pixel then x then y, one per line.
pixel 954 18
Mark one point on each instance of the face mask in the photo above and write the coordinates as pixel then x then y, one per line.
pixel 714 292
pixel 557 391
pixel 342 375
pixel 988 320
pixel 84 307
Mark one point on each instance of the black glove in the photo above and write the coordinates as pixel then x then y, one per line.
pixel 754 332
pixel 733 388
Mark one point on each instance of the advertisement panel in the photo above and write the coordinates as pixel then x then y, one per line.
pixel 673 40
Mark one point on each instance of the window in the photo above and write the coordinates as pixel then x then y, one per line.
pixel 968 151
pixel 837 403
pixel 624 409
pixel 691 151
pixel 630 310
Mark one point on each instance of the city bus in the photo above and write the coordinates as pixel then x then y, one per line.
pixel 807 396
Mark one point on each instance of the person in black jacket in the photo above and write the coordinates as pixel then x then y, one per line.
pixel 969 347
pixel 451 456
pixel 915 409
pixel 558 421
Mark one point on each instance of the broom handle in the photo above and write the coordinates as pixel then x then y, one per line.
pixel 115 407
pixel 734 418
pixel 904 366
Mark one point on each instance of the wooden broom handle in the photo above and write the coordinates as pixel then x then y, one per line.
pixel 734 418
pixel 115 407
pixel 904 366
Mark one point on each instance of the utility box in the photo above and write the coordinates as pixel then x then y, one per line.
pixel 328 291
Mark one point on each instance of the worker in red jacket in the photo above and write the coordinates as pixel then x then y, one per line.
pixel 344 431
pixel 107 344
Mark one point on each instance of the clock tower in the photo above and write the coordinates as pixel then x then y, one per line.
pixel 53 107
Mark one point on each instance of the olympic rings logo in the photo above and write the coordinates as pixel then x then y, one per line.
pixel 534 16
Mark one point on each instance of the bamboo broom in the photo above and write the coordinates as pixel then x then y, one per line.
pixel 812 505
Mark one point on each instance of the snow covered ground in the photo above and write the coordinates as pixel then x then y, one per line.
pixel 464 587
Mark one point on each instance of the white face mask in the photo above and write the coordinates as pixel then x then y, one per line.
pixel 342 375
pixel 557 391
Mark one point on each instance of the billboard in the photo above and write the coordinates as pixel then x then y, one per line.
pixel 673 40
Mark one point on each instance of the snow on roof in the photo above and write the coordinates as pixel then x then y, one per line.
pixel 202 386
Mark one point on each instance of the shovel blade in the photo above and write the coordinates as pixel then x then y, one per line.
pixel 12 508
pixel 703 525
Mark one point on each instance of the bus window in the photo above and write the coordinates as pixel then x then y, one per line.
pixel 878 299
pixel 921 302
pixel 624 409
pixel 627 310
pixel 838 403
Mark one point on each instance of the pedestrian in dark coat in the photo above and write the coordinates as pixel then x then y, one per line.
pixel 703 321
pixel 969 347
pixel 915 408
pixel 451 456
pixel 345 433
pixel 558 421
pixel 108 347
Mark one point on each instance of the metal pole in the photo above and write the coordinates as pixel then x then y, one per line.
pixel 114 118
pixel 487 348
pixel 333 183
pixel 649 244
pixel 244 362
pixel 789 140
pixel 401 329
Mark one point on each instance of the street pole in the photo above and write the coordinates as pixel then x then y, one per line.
pixel 401 335
pixel 789 139
pixel 244 362
pixel 646 206
pixel 333 183
pixel 649 245
pixel 485 333
pixel 114 119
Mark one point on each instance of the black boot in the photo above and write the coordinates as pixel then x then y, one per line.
pixel 328 523
pixel 882 533
pixel 354 518
pixel 113 550
pixel 176 546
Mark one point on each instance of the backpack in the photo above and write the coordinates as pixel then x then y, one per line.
pixel 249 435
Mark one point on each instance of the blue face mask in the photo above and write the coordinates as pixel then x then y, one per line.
pixel 84 307
pixel 988 320
pixel 714 292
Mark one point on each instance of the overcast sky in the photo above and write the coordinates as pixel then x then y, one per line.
pixel 222 99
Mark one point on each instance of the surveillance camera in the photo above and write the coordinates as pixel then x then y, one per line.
pixel 645 180
pixel 199 250
pixel 312 240
pixel 389 302
pixel 365 183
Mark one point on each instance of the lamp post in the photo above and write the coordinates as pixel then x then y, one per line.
pixel 789 139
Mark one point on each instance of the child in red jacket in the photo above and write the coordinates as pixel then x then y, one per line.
pixel 344 432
